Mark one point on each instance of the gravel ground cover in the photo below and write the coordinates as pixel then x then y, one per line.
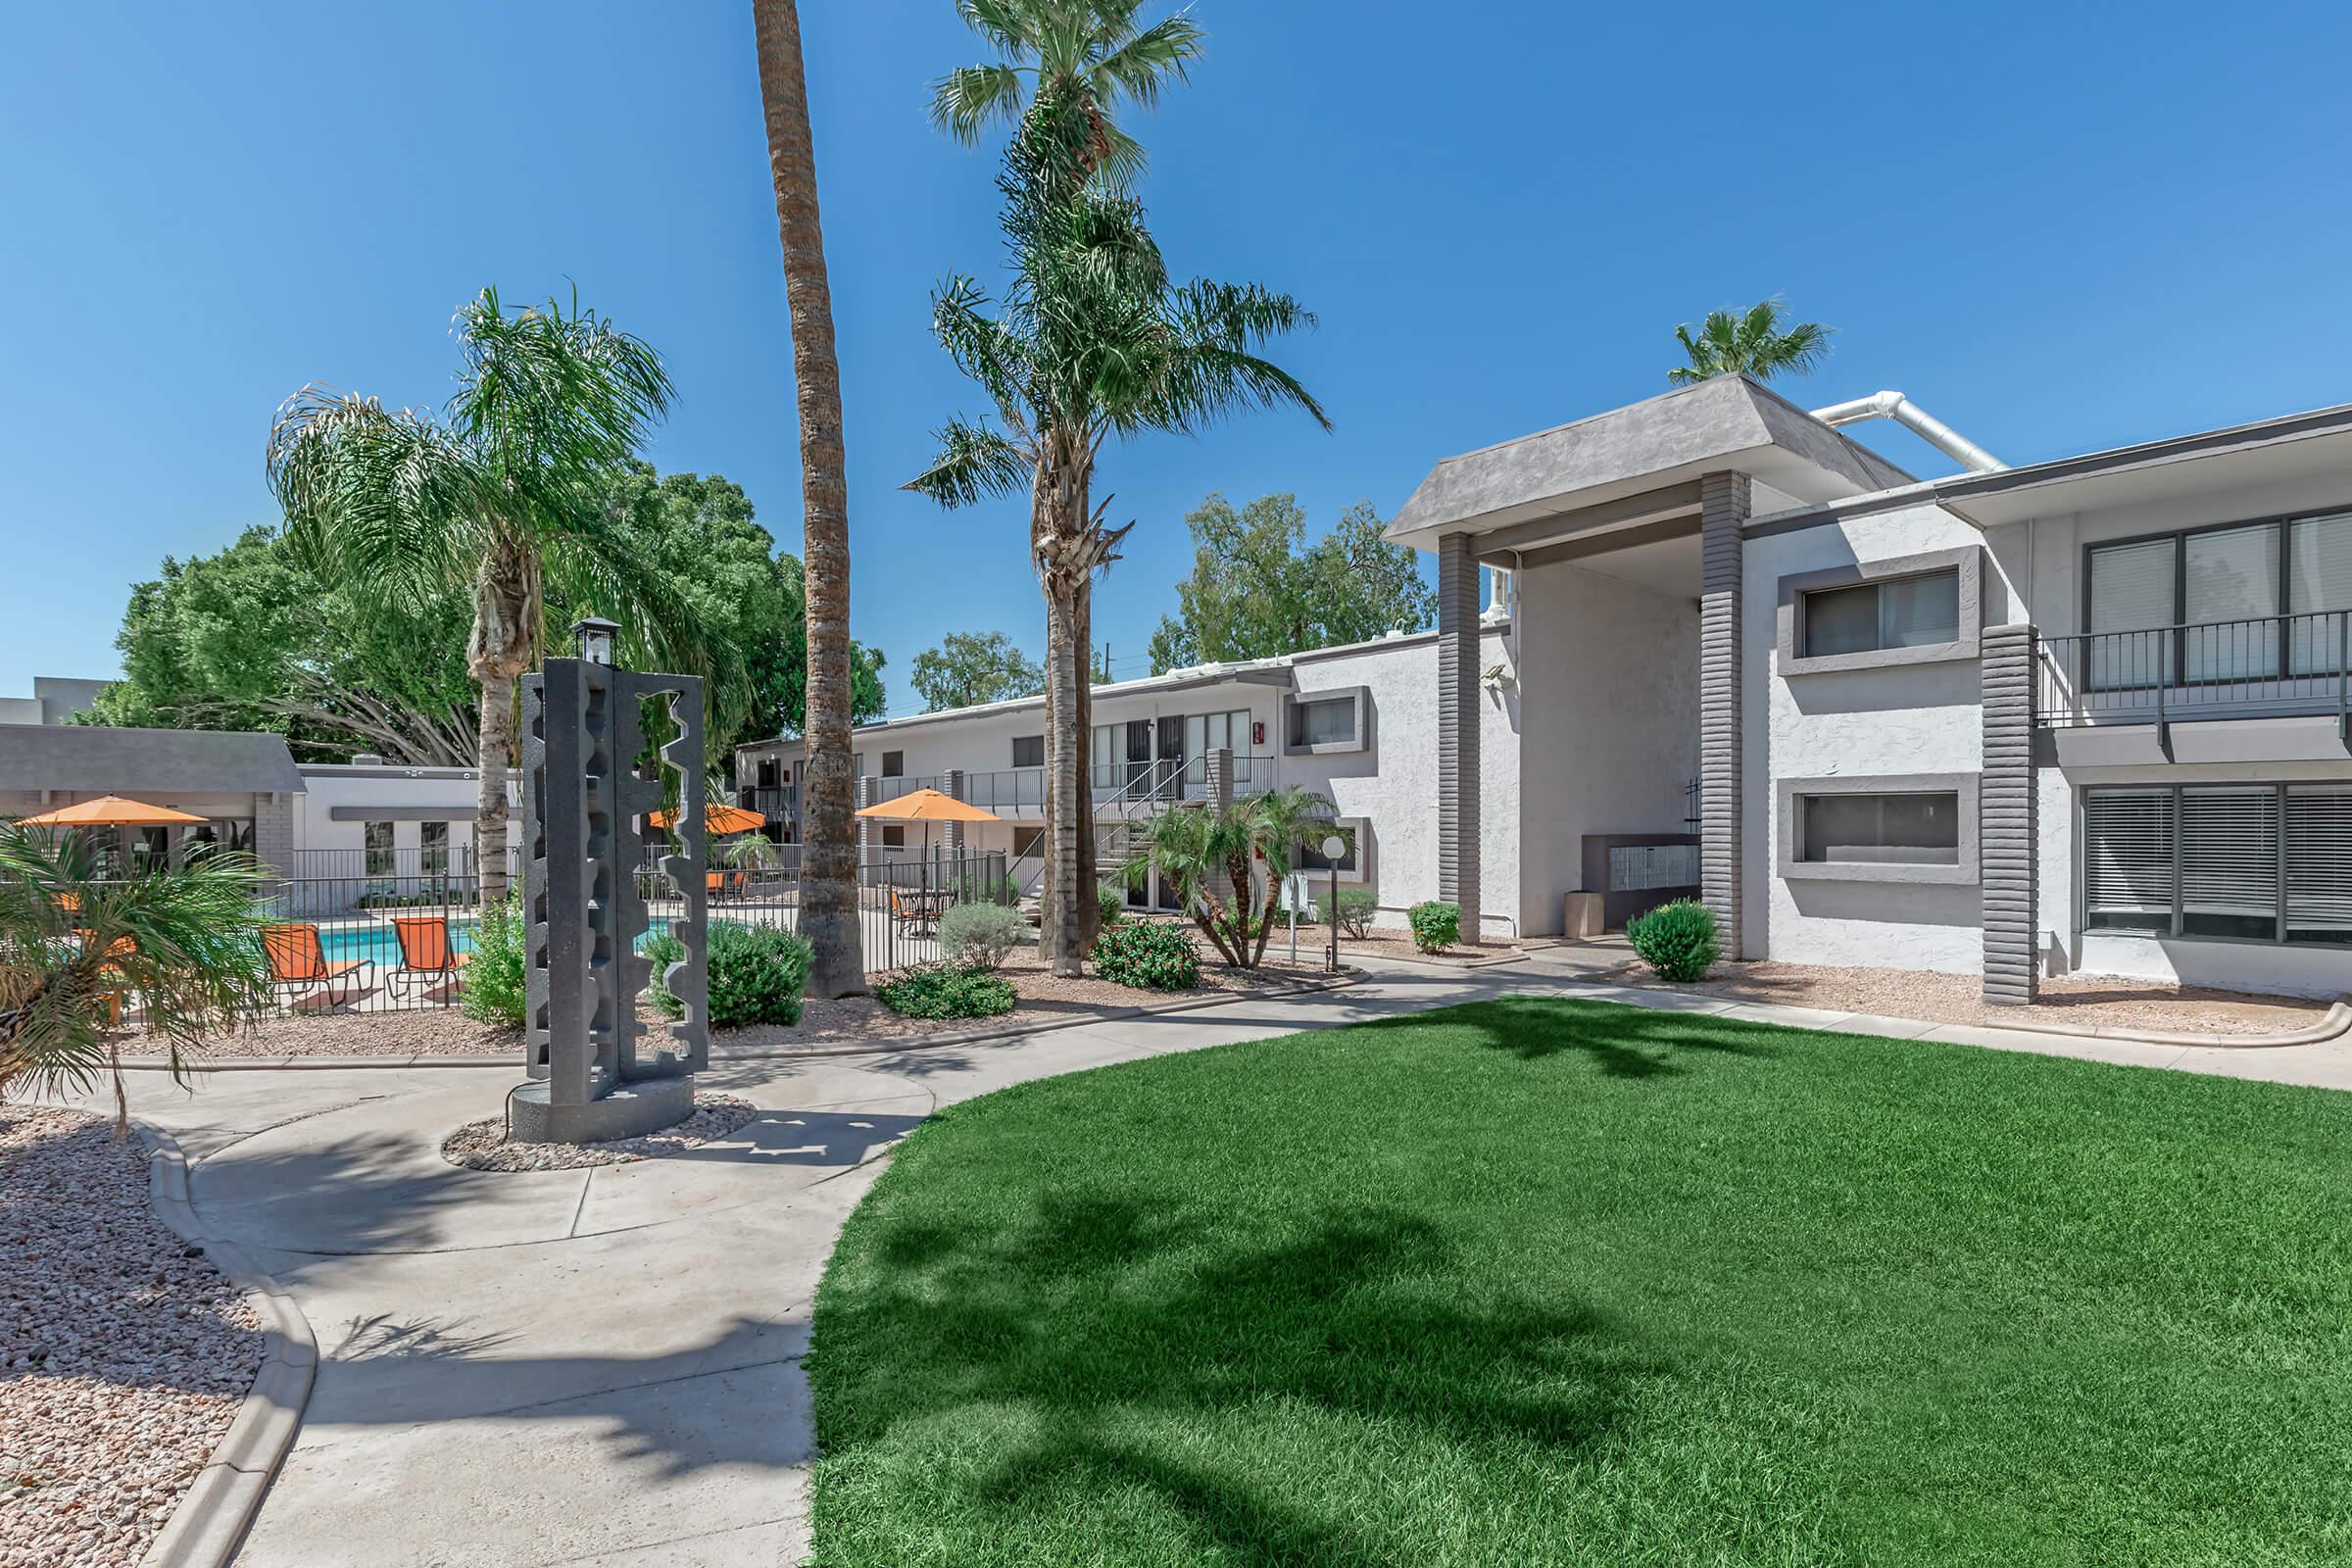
pixel 2088 999
pixel 1400 946
pixel 482 1144
pixel 123 1351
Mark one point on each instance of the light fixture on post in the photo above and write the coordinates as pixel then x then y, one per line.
pixel 593 635
pixel 1334 848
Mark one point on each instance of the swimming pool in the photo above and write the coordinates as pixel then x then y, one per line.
pixel 376 942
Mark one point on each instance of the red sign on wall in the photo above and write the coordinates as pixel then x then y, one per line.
pixel 1258 732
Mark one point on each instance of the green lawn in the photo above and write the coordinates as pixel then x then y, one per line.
pixel 1552 1282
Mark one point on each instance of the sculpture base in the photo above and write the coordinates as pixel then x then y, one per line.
pixel 631 1111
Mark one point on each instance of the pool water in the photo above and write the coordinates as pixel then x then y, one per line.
pixel 378 943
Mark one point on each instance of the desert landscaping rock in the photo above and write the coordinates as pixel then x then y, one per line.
pixel 482 1144
pixel 123 1351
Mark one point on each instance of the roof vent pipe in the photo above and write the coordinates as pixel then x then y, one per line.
pixel 1918 421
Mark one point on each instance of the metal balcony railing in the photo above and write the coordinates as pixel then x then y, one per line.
pixel 2261 666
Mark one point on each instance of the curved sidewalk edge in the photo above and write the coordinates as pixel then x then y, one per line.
pixel 210 1522
pixel 721 1057
pixel 2333 1024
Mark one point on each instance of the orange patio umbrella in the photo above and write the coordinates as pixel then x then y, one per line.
pixel 927 807
pixel 111 810
pixel 720 821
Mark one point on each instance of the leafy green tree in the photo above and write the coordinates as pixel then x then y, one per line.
pixel 1249 843
pixel 180 947
pixel 971 667
pixel 1257 590
pixel 502 496
pixel 1750 342
pixel 1092 342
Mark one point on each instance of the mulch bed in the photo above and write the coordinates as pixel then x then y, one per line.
pixel 123 1351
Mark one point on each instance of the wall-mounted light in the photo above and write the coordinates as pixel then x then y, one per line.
pixel 594 636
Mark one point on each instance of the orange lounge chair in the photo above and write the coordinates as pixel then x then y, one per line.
pixel 427 958
pixel 298 962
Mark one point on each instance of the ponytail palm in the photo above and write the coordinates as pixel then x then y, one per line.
pixel 505 495
pixel 1092 341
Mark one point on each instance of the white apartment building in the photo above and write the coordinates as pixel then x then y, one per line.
pixel 2092 713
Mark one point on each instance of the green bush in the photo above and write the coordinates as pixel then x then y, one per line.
pixel 1111 899
pixel 944 991
pixel 494 974
pixel 1149 955
pixel 1436 926
pixel 1678 940
pixel 981 936
pixel 1354 911
pixel 757 973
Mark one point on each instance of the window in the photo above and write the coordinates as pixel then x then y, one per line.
pixel 219 833
pixel 1906 829
pixel 2247 862
pixel 2231 584
pixel 1102 758
pixel 894 836
pixel 1028 843
pixel 432 848
pixel 768 773
pixel 1325 721
pixel 377 836
pixel 1868 618
pixel 1204 733
pixel 1309 856
pixel 1028 751
pixel 894 764
pixel 1902 827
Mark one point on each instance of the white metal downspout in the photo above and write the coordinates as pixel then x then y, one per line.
pixel 1918 421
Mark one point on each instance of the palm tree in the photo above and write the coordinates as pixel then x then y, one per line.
pixel 829 858
pixel 1192 846
pixel 182 947
pixel 1750 343
pixel 1091 341
pixel 504 495
pixel 1087 53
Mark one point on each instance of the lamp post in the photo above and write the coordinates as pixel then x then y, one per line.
pixel 1334 847
pixel 593 634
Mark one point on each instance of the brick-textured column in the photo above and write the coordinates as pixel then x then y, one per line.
pixel 1216 777
pixel 869 831
pixel 951 784
pixel 2007 818
pixel 1458 775
pixel 1722 501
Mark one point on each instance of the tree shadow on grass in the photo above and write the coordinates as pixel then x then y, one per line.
pixel 1623 1042
pixel 1126 1331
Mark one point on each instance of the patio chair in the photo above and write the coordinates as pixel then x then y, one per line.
pixel 426 958
pixel 298 963
pixel 910 918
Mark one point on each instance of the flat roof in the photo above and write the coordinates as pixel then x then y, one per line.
pixel 82 757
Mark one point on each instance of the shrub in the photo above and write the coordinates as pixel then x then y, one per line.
pixel 1355 910
pixel 1112 900
pixel 1150 955
pixel 1678 940
pixel 981 936
pixel 1436 926
pixel 494 974
pixel 757 973
pixel 944 991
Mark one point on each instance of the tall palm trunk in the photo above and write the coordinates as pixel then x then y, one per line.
pixel 829 859
pixel 505 614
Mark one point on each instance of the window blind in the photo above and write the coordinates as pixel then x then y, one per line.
pixel 2319 579
pixel 2231 575
pixel 2318 862
pixel 1920 611
pixel 2132 591
pixel 2230 862
pixel 2128 860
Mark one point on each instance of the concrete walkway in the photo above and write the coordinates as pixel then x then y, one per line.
pixel 604 1366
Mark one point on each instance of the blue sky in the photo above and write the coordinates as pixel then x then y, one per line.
pixel 2057 232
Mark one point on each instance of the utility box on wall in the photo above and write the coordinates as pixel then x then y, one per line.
pixel 1636 872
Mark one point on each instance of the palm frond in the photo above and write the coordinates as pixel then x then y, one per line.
pixel 967 100
pixel 389 498
pixel 974 463
pixel 1138 68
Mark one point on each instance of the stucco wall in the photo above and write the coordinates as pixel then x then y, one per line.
pixel 1608 684
pixel 1907 720
pixel 453 791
